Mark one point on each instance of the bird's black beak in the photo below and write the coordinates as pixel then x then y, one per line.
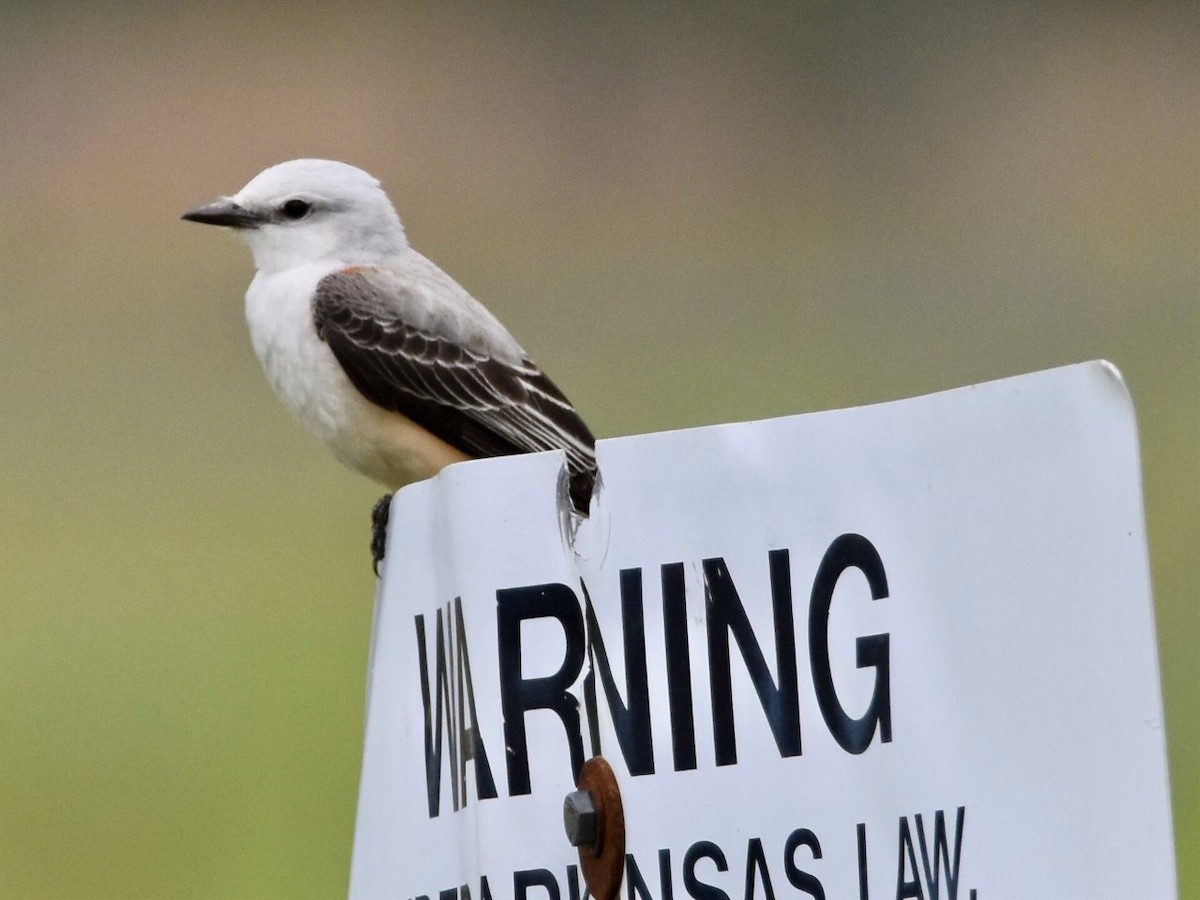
pixel 224 212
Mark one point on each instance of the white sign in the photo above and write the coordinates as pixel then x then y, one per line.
pixel 900 651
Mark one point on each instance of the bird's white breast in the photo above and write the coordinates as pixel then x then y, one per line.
pixel 310 382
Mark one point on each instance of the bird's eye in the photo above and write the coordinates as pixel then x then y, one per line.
pixel 295 209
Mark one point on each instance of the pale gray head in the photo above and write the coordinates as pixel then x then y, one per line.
pixel 310 211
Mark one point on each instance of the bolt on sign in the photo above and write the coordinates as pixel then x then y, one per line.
pixel 898 651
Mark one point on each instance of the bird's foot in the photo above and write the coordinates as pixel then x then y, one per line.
pixel 379 526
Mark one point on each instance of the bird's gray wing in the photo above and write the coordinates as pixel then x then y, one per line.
pixel 464 379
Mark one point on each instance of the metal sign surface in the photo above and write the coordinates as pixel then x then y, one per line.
pixel 896 651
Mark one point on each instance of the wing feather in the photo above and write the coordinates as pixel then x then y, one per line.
pixel 444 378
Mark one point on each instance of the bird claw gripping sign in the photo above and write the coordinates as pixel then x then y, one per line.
pixel 899 651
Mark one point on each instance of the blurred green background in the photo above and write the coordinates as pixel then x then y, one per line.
pixel 687 213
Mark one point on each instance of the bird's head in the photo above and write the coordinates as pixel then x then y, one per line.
pixel 310 211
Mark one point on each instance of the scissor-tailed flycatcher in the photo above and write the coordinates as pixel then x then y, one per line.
pixel 377 351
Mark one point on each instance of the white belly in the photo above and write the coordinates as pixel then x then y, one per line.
pixel 306 376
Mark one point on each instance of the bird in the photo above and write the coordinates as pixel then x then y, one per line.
pixel 379 353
